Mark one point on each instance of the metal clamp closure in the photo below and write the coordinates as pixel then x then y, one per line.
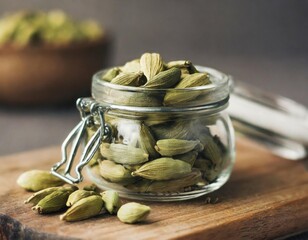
pixel 89 110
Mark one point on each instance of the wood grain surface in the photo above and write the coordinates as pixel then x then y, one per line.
pixel 266 197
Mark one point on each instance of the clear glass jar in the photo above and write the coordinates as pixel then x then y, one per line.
pixel 149 149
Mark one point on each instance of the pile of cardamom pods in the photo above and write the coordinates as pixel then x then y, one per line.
pixel 51 196
pixel 159 153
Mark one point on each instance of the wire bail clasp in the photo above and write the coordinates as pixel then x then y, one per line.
pixel 91 114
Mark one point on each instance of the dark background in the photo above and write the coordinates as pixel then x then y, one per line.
pixel 262 42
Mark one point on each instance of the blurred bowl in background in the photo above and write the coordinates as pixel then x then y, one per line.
pixel 47 74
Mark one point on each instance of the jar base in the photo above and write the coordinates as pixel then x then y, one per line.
pixel 159 197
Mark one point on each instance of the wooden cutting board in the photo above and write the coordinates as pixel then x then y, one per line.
pixel 266 197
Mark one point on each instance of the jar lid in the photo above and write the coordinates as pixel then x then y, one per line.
pixel 277 122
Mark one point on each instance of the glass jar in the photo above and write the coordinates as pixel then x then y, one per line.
pixel 148 148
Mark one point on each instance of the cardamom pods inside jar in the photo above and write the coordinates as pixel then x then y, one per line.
pixel 153 130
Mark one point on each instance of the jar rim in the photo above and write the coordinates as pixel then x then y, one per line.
pixel 214 74
pixel 213 95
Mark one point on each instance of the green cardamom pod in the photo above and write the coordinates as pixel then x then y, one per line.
pixel 97 155
pixel 189 157
pixel 111 74
pixel 115 173
pixel 38 196
pixel 77 195
pixel 179 184
pixel 133 212
pixel 178 96
pixel 151 64
pixel 111 200
pixel 163 169
pixel 91 187
pixel 211 150
pixel 171 147
pixel 186 66
pixel 133 98
pixel 36 180
pixel 147 141
pixel 164 79
pixel 123 154
pixel 132 66
pixel 83 209
pixel 176 129
pixel 53 202
pixel 128 79
pixel 210 173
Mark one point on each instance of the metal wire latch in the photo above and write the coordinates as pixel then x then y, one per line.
pixel 91 114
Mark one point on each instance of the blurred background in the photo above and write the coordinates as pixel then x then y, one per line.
pixel 262 42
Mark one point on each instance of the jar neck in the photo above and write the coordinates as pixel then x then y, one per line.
pixel 209 98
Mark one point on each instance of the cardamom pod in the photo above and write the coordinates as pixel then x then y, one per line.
pixel 123 154
pixel 185 66
pixel 77 195
pixel 38 196
pixel 115 173
pixel 111 74
pixel 128 79
pixel 132 66
pixel 111 200
pixel 91 187
pixel 178 96
pixel 83 209
pixel 210 173
pixel 189 157
pixel 164 79
pixel 188 180
pixel 133 98
pixel 132 167
pixel 97 155
pixel 53 202
pixel 133 212
pixel 211 150
pixel 151 64
pixel 171 147
pixel 163 169
pixel 36 180
pixel 147 141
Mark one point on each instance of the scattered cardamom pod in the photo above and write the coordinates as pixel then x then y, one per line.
pixel 178 95
pixel 38 196
pixel 111 74
pixel 163 169
pixel 53 202
pixel 123 154
pixel 133 212
pixel 151 64
pixel 113 172
pixel 164 79
pixel 128 79
pixel 147 141
pixel 83 209
pixel 77 195
pixel 171 147
pixel 36 180
pixel 112 201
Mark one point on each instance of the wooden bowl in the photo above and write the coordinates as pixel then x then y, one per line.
pixel 49 75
